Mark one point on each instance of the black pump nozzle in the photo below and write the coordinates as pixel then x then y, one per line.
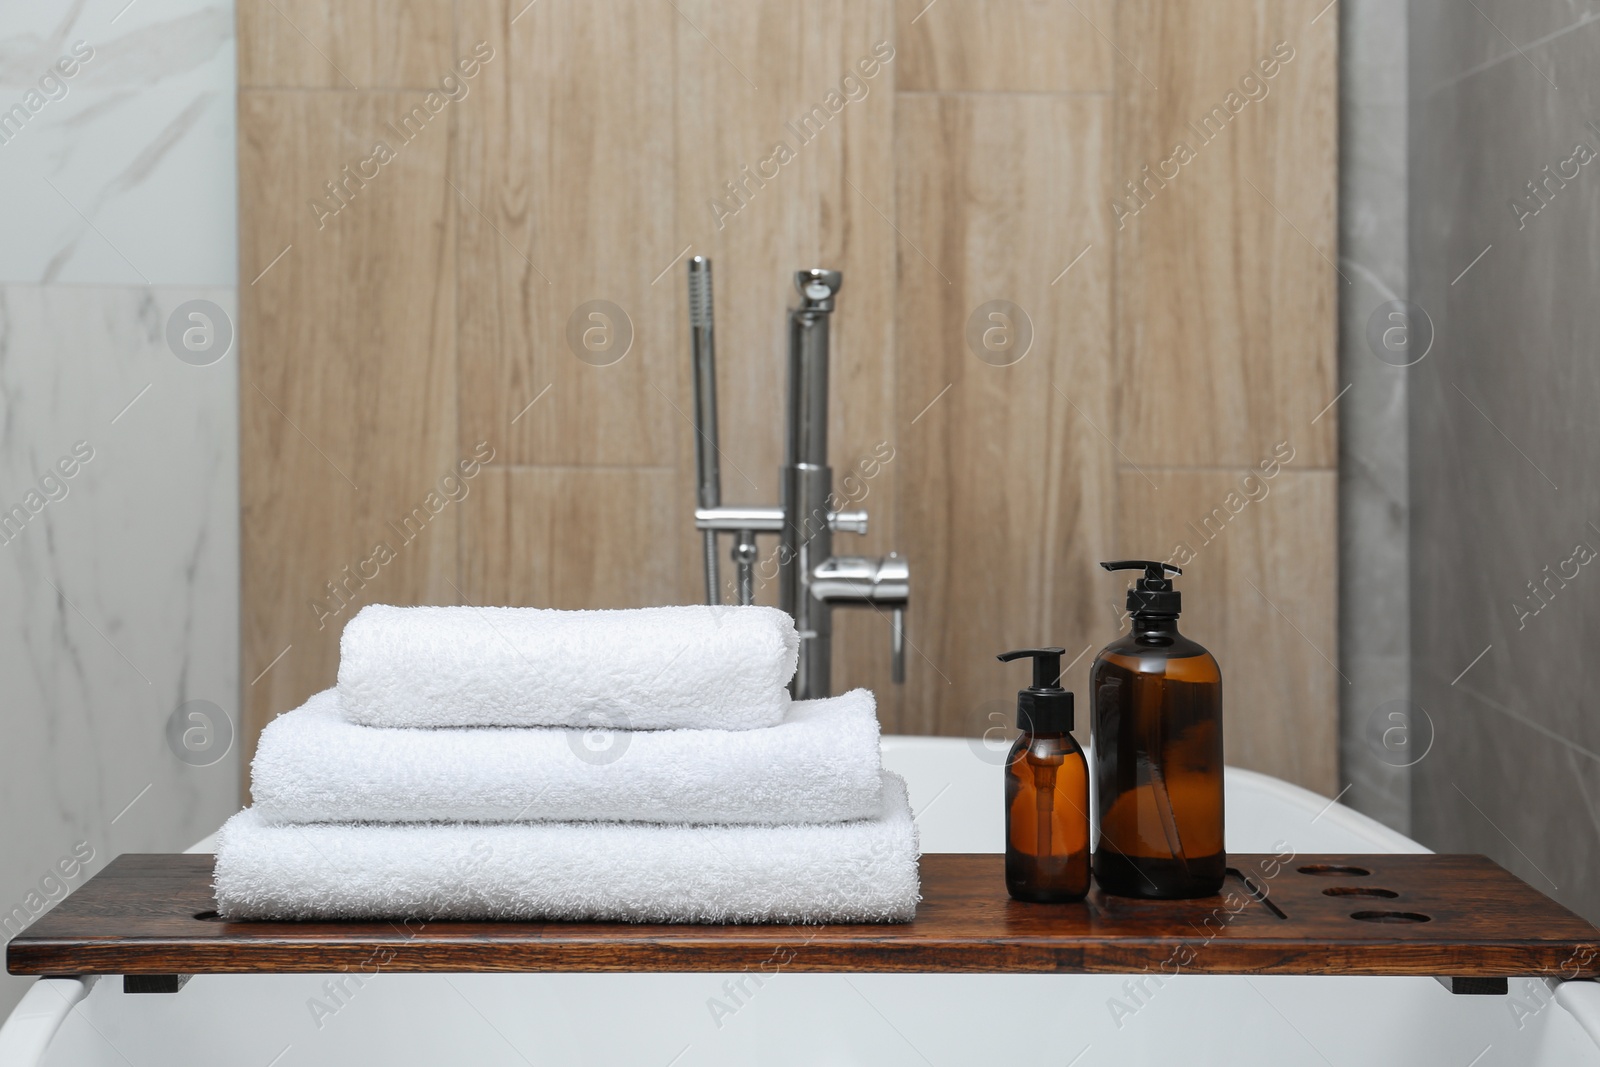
pixel 1153 594
pixel 1044 707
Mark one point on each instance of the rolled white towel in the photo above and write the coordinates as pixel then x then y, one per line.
pixel 820 764
pixel 863 871
pixel 696 667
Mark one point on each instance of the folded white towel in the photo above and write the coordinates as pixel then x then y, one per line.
pixel 642 669
pixel 820 764
pixel 863 871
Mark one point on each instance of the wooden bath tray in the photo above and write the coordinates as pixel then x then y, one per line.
pixel 1460 917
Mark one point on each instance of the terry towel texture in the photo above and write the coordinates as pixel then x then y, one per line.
pixel 639 669
pixel 820 764
pixel 863 871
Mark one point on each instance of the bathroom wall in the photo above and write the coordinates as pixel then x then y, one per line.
pixel 1378 744
pixel 1226 337
pixel 1504 599
pixel 118 440
pixel 414 277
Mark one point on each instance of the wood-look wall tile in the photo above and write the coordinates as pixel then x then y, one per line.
pixel 1226 283
pixel 1006 497
pixel 344 44
pixel 1260 581
pixel 347 378
pixel 590 152
pixel 566 537
pixel 830 205
pixel 565 198
pixel 1006 45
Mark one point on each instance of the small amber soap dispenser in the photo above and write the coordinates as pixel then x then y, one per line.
pixel 1047 791
pixel 1156 716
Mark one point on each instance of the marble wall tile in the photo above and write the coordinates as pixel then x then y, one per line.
pixel 1504 609
pixel 1374 621
pixel 117 185
pixel 1508 401
pixel 122 591
pixel 122 174
pixel 1528 799
pixel 1464 40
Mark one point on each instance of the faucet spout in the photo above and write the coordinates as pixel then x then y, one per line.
pixel 806 479
pixel 882 583
pixel 807 443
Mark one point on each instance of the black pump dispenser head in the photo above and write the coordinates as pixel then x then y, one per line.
pixel 1044 707
pixel 1153 594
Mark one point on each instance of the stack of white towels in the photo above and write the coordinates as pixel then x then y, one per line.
pixel 523 763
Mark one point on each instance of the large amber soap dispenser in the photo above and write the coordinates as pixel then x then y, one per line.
pixel 1047 791
pixel 1156 720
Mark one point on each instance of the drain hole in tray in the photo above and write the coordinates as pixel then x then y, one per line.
pixel 1391 916
pixel 1359 891
pixel 1334 870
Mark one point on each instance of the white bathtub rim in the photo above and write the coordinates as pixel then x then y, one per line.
pixel 1383 838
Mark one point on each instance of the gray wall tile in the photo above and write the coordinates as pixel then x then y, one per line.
pixel 1503 443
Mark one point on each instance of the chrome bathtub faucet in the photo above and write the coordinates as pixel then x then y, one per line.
pixel 812 581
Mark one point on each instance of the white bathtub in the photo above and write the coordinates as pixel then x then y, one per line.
pixel 824 1019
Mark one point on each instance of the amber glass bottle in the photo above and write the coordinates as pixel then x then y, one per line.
pixel 1157 723
pixel 1047 791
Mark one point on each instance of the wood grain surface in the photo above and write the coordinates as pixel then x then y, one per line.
pixel 154 914
pixel 1006 45
pixel 1008 492
pixel 347 379
pixel 1227 286
pixel 1278 649
pixel 352 44
pixel 582 162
